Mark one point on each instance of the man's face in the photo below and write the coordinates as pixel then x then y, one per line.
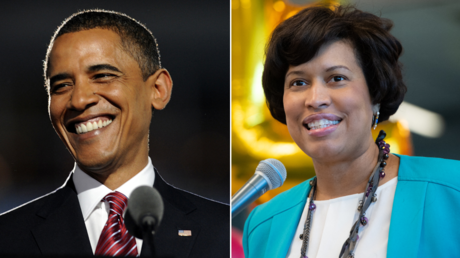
pixel 95 86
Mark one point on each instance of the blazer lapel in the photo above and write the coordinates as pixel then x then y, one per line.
pixel 63 230
pixel 176 217
pixel 407 215
pixel 284 224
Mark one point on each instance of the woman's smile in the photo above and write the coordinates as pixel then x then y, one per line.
pixel 320 125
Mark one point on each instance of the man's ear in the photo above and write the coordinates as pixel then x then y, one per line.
pixel 161 84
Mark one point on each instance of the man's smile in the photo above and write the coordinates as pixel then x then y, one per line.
pixel 92 124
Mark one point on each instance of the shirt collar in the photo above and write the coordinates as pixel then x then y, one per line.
pixel 90 191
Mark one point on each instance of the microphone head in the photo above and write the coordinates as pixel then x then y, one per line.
pixel 274 171
pixel 145 201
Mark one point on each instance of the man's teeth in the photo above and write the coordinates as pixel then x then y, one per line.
pixel 90 126
pixel 318 124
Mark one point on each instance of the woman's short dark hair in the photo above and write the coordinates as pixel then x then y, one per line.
pixel 299 38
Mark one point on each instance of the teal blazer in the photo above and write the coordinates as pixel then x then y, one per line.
pixel 425 221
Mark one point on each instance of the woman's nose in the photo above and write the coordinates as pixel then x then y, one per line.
pixel 318 96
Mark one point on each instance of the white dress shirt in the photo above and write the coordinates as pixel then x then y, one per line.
pixel 90 194
pixel 332 221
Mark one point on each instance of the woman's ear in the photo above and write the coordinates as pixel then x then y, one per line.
pixel 161 84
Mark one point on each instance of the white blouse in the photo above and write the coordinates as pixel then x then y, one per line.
pixel 326 239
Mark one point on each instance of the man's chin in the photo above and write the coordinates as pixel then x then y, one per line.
pixel 95 164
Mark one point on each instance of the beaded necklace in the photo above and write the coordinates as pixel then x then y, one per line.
pixel 369 197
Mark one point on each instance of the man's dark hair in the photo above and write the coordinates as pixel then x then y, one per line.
pixel 298 39
pixel 136 39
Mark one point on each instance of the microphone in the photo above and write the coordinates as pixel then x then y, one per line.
pixel 144 214
pixel 270 174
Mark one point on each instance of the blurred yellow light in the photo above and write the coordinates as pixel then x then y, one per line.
pixel 394 145
pixel 403 128
pixel 235 4
pixel 257 91
pixel 290 14
pixel 246 4
pixel 279 6
pixel 254 144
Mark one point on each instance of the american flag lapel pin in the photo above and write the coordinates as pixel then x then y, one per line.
pixel 185 233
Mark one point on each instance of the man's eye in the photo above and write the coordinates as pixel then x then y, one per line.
pixel 103 76
pixel 59 87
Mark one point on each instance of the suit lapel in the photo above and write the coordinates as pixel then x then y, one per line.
pixel 63 230
pixel 176 217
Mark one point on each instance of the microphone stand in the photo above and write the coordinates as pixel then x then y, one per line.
pixel 148 225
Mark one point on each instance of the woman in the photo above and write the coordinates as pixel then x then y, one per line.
pixel 331 76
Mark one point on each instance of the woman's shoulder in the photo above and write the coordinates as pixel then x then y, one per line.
pixel 433 170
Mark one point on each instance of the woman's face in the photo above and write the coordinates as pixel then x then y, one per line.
pixel 328 106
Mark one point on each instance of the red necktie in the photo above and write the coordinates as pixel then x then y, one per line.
pixel 115 239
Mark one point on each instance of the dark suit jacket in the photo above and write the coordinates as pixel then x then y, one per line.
pixel 53 225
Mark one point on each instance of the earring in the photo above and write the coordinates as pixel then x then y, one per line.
pixel 376 119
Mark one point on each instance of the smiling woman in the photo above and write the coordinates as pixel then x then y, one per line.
pixel 330 75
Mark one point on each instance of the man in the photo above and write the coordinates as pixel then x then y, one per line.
pixel 104 78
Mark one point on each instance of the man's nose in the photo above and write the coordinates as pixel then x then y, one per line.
pixel 83 96
pixel 318 96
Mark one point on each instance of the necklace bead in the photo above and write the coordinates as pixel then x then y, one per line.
pixel 371 188
pixel 364 221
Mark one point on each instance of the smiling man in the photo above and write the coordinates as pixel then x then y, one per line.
pixel 104 78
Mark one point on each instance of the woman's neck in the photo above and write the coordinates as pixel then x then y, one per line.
pixel 350 176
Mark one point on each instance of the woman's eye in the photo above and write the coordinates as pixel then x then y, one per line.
pixel 298 83
pixel 338 78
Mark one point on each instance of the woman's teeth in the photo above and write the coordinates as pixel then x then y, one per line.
pixel 318 124
pixel 90 126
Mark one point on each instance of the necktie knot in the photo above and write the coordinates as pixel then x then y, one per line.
pixel 117 202
pixel 115 239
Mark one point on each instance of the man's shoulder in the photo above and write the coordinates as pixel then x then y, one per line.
pixel 207 220
pixel 22 226
pixel 196 203
pixel 27 210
